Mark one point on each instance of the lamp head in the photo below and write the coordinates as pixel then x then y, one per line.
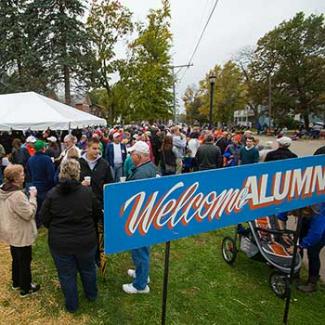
pixel 212 78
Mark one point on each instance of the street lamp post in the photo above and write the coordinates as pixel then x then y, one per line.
pixel 212 79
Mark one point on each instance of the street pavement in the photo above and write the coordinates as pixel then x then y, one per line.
pixel 299 147
pixel 302 148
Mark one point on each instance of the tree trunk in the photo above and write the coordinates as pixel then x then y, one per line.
pixel 306 119
pixel 109 107
pixel 67 91
pixel 66 69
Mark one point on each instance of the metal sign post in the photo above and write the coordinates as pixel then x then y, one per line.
pixel 293 262
pixel 165 285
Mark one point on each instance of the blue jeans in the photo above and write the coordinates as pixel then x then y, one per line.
pixel 283 216
pixel 117 172
pixel 141 260
pixel 67 267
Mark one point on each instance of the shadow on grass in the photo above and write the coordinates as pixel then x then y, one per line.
pixel 203 289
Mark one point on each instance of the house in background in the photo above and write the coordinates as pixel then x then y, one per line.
pixel 244 117
pixel 83 103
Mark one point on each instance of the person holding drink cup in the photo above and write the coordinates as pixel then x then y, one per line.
pixel 18 227
pixel 87 180
pixel 95 172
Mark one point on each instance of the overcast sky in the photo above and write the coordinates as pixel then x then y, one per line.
pixel 234 25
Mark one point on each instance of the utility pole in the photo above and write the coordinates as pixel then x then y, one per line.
pixel 174 84
pixel 270 101
pixel 212 80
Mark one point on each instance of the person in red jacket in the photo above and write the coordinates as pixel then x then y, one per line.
pixel 30 145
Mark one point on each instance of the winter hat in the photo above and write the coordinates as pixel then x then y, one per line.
pixel 39 145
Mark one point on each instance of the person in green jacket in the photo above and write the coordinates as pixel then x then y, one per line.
pixel 128 166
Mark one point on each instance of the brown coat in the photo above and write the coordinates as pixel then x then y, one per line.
pixel 17 218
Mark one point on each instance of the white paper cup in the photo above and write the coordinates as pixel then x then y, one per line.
pixel 122 179
pixel 32 188
pixel 87 179
pixel 53 159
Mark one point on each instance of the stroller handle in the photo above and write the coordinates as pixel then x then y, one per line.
pixel 277 232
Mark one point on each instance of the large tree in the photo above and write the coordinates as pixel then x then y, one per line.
pixel 293 56
pixel 149 74
pixel 61 28
pixel 108 23
pixel 117 100
pixel 229 95
pixel 193 101
pixel 257 89
pixel 22 66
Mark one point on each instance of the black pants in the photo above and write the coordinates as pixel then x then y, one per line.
pixel 21 266
pixel 314 261
pixel 40 199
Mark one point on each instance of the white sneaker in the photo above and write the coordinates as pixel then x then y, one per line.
pixel 129 288
pixel 131 273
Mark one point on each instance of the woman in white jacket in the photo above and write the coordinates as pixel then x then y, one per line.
pixel 18 228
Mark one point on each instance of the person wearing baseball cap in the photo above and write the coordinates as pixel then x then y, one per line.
pixel 283 151
pixel 52 139
pixel 140 146
pixel 29 145
pixel 144 168
pixel 31 139
pixel 53 148
pixel 41 170
pixel 116 155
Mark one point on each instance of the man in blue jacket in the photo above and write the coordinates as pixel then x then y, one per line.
pixel 116 155
pixel 144 168
pixel 41 172
pixel 313 241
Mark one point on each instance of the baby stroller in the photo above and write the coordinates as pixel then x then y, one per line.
pixel 263 240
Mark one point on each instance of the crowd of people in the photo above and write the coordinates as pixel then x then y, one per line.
pixel 56 179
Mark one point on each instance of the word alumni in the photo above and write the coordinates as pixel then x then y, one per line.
pixel 183 205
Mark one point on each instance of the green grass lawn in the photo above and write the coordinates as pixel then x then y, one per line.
pixel 203 289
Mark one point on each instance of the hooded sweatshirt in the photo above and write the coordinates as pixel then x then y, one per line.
pixel 17 219
pixel 91 163
pixel 100 174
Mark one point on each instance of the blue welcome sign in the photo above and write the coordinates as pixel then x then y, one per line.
pixel 145 212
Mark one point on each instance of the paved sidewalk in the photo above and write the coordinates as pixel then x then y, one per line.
pixel 304 148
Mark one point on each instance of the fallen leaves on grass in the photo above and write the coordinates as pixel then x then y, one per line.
pixel 23 311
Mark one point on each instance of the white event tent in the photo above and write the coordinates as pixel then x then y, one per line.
pixel 29 110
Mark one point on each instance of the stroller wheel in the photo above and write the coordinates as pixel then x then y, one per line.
pixel 279 284
pixel 229 250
